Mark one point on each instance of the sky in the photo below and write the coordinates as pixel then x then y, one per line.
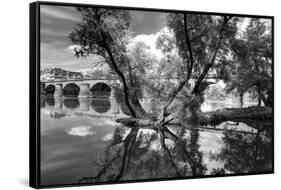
pixel 57 23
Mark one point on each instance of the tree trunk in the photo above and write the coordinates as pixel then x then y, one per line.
pixel 190 110
pixel 210 64
pixel 267 100
pixel 259 97
pixel 140 112
pixel 259 101
pixel 189 66
pixel 133 96
pixel 120 74
pixel 241 99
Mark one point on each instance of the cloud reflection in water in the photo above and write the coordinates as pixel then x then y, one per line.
pixel 81 131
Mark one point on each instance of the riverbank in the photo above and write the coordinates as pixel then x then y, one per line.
pixel 235 114
pixel 250 114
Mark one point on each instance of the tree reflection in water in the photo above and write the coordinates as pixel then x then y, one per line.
pixel 243 153
pixel 120 99
pixel 161 152
pixel 158 153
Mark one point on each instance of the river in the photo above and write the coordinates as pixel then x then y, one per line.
pixel 80 138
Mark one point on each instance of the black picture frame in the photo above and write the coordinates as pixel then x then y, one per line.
pixel 34 83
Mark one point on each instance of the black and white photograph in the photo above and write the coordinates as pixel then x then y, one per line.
pixel 132 94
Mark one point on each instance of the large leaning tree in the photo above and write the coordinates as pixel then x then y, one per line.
pixel 202 42
pixel 105 33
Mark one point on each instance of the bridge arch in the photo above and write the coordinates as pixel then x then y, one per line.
pixel 50 90
pixel 71 90
pixel 101 89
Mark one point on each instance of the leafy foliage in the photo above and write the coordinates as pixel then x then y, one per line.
pixel 193 46
pixel 204 34
pixel 252 69
pixel 215 92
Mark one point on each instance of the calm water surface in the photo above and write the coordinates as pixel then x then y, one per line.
pixel 79 138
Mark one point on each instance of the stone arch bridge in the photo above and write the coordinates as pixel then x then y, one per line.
pixel 84 85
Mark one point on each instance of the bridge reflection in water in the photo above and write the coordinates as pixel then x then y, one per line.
pixel 107 107
pixel 91 107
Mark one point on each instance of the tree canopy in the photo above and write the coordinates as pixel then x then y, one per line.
pixel 193 45
pixel 251 67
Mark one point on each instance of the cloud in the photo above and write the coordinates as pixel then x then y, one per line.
pixel 81 131
pixel 66 13
pixel 58 55
pixel 150 41
pixel 71 48
pixel 107 137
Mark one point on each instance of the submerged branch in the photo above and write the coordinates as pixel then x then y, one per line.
pixel 246 115
pixel 236 114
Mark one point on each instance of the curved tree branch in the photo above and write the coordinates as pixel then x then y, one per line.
pixel 120 74
pixel 189 65
pixel 210 64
